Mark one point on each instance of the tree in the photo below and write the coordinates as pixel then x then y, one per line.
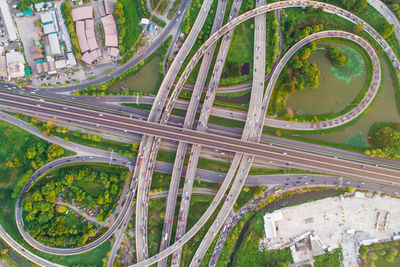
pixel 23 4
pixel 337 58
pixel 355 5
pixel 389 257
pixel 54 151
pixel 305 54
pixel 387 31
pixel 10 164
pixel 384 137
pixel 61 209
pixel 37 23
pixel 372 256
pixel 358 28
pixel 44 217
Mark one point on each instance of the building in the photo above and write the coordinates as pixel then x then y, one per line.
pixel 110 35
pixel 46 18
pixel 5 11
pixel 110 31
pixel 82 13
pixel 71 61
pixel 90 36
pixel 55 48
pixel 144 22
pixel 36 52
pixel 269 223
pixel 48 28
pixel 15 65
pixel 84 25
pixel 80 32
pixel 107 7
pixel 61 64
pixel 43 6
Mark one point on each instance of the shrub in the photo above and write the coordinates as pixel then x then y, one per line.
pixel 389 258
pixel 372 256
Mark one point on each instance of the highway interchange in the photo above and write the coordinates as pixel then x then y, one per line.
pixel 246 147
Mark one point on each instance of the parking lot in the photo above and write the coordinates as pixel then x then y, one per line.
pixel 333 218
pixel 27 32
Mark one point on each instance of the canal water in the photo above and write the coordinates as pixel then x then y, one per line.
pixel 143 81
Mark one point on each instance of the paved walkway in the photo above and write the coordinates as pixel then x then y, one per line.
pixel 156 14
pixel 82 213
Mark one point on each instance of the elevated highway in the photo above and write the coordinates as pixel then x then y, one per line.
pixel 188 124
pixel 369 172
pixel 148 143
pixel 202 126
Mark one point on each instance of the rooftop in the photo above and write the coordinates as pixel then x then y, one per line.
pixel 82 12
pixel 110 31
pixel 5 10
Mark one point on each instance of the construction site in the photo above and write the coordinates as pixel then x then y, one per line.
pixel 314 228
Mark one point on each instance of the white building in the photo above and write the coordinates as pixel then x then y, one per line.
pixel 144 22
pixel 12 33
pixel 54 44
pixel 269 223
pixel 43 6
pixel 15 65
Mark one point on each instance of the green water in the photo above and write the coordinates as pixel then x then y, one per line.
pixel 383 110
pixel 332 95
pixel 143 81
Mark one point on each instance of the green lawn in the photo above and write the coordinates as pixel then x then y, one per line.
pixel 139 106
pixel 132 20
pixel 240 52
pixel 155 226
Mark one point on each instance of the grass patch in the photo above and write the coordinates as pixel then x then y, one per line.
pixel 155 224
pixel 173 9
pixel 227 249
pixel 139 106
pixel 198 206
pixel 329 259
pixel 239 53
pixel 131 26
pixel 249 254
